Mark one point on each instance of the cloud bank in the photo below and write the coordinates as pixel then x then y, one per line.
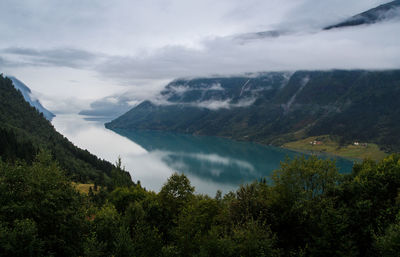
pixel 136 47
pixel 365 47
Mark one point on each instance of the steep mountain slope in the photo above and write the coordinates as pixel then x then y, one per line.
pixel 377 14
pixel 274 108
pixel 26 93
pixel 23 131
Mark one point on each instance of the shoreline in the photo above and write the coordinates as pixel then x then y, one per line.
pixel 302 146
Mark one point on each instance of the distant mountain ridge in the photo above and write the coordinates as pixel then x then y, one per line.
pixel 26 93
pixel 223 92
pixel 378 14
pixel 278 107
pixel 374 15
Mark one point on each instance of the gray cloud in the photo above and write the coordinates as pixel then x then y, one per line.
pixel 373 47
pixel 3 62
pixel 64 57
pixel 144 44
pixel 111 106
pixel 317 14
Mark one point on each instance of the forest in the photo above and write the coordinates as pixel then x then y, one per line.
pixel 306 208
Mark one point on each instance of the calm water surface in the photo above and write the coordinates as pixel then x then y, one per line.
pixel 211 163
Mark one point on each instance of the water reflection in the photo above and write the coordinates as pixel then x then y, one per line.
pixel 210 158
pixel 215 159
pixel 151 156
pixel 91 135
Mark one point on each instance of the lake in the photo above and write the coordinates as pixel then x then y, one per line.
pixel 211 163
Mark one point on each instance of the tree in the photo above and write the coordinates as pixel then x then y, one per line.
pixel 295 199
pixel 40 198
pixel 20 239
pixel 305 179
pixel 368 198
pixel 92 247
pixel 119 176
pixel 388 244
pixel 121 197
pixel 250 202
pixel 254 239
pixel 123 243
pixel 176 192
pixel 194 222
pixel 174 195
pixel 106 226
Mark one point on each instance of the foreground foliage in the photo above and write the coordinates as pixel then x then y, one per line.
pixel 308 210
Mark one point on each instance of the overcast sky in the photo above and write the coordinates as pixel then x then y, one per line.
pixel 72 52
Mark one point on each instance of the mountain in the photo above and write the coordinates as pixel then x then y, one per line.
pixel 383 12
pixel 115 105
pixel 27 94
pixel 24 131
pixel 274 108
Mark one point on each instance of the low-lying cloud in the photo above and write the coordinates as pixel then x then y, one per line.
pixel 238 38
pixel 224 104
pixel 364 47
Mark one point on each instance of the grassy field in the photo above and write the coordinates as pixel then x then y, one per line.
pixel 84 188
pixel 324 144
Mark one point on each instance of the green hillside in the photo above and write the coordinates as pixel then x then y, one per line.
pixel 24 132
pixel 348 105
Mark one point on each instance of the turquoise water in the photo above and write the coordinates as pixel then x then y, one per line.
pixel 218 160
pixel 211 163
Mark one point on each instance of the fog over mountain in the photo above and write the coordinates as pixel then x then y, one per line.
pixel 80 52
pixel 278 107
pixel 381 13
